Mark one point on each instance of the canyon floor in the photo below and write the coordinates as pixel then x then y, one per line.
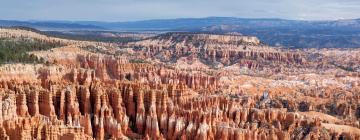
pixel 179 86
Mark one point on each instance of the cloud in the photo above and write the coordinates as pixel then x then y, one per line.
pixel 124 10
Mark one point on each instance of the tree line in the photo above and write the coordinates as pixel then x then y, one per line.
pixel 15 50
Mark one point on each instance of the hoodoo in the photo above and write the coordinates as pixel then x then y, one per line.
pixel 179 86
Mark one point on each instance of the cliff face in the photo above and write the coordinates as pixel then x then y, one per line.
pixel 225 49
pixel 80 94
pixel 163 111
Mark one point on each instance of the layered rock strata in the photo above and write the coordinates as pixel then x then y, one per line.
pixel 79 94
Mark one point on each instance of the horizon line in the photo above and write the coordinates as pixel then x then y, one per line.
pixel 178 18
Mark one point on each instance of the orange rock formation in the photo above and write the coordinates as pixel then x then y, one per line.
pixel 241 95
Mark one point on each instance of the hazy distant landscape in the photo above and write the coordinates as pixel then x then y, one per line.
pixel 276 32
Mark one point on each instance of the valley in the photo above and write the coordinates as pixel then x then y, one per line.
pixel 177 85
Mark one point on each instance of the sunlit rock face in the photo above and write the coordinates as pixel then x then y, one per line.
pixel 225 49
pixel 186 86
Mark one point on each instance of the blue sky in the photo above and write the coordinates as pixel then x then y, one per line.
pixel 131 10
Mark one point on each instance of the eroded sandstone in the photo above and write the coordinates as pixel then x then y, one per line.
pixel 246 91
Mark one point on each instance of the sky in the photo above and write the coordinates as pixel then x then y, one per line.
pixel 133 10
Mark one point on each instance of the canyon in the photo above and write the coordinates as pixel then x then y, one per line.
pixel 180 85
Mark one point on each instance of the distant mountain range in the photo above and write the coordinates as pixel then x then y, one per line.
pixel 276 32
pixel 50 25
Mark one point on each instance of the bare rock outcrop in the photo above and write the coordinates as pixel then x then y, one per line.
pixel 249 91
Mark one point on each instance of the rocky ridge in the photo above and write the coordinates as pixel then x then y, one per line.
pixel 80 94
pixel 212 49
